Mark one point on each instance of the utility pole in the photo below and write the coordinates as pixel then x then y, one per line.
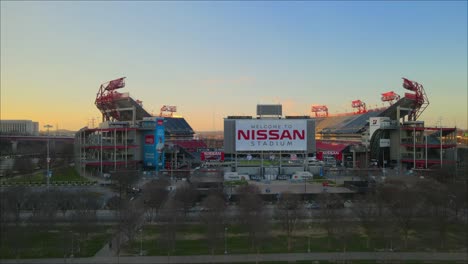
pixel 48 174
pixel 225 240
pixel 440 124
pixel 141 241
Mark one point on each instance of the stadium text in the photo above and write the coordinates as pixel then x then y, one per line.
pixel 270 134
pixel 270 143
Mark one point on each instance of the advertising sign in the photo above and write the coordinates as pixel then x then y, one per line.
pixel 149 154
pixel 271 135
pixel 160 140
pixel 374 124
pixel 153 147
pixel 212 156
pixel 149 139
pixel 384 143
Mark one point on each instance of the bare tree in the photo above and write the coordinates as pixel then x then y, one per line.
pixel 186 195
pixel 214 220
pixel 113 203
pixel 437 201
pixel 459 199
pixel 15 199
pixel 124 179
pixel 443 174
pixel 154 195
pixel 13 202
pixel 47 209
pixel 345 231
pixel 289 212
pixel 84 215
pixel 387 229
pixel 252 215
pixel 64 200
pixel 130 219
pixel 23 165
pixel 170 218
pixel 329 215
pixel 403 202
pixel 367 212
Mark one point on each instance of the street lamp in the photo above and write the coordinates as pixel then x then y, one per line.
pixel 305 187
pixel 72 247
pixel 308 242
pixel 225 240
pixel 141 242
pixel 48 157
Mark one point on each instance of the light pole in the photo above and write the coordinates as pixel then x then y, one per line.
pixel 308 241
pixel 225 240
pixel 48 157
pixel 305 186
pixel 414 147
pixel 440 124
pixel 141 242
pixel 72 247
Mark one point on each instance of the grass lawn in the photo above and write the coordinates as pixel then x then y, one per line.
pixel 60 175
pixel 51 242
pixel 191 241
pixel 56 242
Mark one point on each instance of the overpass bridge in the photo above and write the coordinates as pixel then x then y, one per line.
pixel 37 138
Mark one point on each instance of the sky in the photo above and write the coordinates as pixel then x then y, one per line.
pixel 214 59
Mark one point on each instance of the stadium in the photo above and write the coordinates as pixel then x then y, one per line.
pixel 267 147
pixel 130 138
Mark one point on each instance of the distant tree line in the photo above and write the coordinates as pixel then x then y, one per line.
pixel 387 216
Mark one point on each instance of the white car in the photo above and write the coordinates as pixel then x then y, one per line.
pixel 348 204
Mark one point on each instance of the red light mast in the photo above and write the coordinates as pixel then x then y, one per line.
pixel 168 110
pixel 419 97
pixel 390 97
pixel 360 105
pixel 106 96
pixel 320 110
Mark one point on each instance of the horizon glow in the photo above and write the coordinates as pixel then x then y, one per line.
pixel 214 59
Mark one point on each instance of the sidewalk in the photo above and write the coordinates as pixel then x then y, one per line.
pixel 383 256
pixel 105 251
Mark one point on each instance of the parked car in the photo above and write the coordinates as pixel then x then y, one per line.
pixel 348 204
pixel 312 205
pixel 133 190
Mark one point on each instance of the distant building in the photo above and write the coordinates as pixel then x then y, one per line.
pixel 19 127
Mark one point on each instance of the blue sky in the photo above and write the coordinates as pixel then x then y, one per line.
pixel 214 59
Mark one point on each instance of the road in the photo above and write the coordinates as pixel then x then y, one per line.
pixel 239 258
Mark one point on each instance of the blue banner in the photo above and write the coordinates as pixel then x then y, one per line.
pixel 153 144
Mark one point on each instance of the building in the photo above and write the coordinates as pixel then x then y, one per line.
pixel 19 127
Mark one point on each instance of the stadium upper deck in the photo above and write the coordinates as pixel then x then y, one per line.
pixel 350 124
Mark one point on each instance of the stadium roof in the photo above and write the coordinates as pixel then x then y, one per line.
pixel 350 124
pixel 177 126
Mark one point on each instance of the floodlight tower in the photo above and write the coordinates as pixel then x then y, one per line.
pixel 390 97
pixel 106 96
pixel 360 105
pixel 320 110
pixel 421 101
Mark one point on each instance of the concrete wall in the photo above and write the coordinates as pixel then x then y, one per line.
pixel 291 170
pixel 249 170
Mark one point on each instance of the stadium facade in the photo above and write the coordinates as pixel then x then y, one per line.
pixel 268 145
pixel 130 138
pixel 392 136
